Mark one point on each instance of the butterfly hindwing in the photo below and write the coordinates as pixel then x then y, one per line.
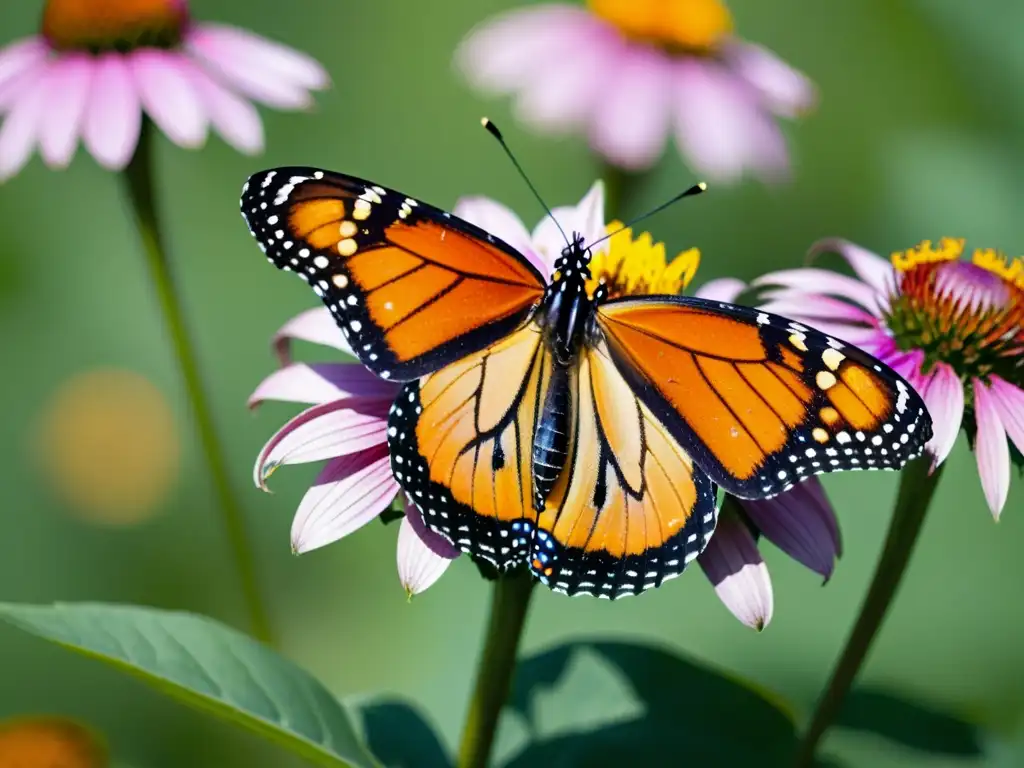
pixel 412 288
pixel 759 401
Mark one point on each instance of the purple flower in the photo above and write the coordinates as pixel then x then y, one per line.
pixel 954 329
pixel 628 73
pixel 98 65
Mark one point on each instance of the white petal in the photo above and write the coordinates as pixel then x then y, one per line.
pixel 314 325
pixel 322 383
pixel 418 565
pixel 585 218
pixel 726 289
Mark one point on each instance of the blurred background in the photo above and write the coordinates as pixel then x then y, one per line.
pixel 919 133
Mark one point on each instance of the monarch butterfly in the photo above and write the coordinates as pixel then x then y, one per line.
pixel 581 435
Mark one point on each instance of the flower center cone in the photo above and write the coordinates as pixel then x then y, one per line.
pixel 99 25
pixel 692 25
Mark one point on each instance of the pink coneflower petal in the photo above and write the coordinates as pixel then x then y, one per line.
pixel 517 47
pixel 1009 404
pixel 869 267
pixel 20 128
pixel 419 567
pixel 789 302
pixel 726 289
pixel 908 365
pixel 633 116
pixel 435 541
pixel 68 88
pixel 242 68
pixel 944 396
pixel 586 218
pixel 286 64
pixel 164 82
pixel 319 383
pixel 350 492
pixel 235 118
pixel 314 325
pixel 500 221
pixel 338 428
pixel 735 567
pixel 721 128
pixel 113 116
pixel 991 449
pixel 782 89
pixel 801 523
pixel 821 281
pixel 20 62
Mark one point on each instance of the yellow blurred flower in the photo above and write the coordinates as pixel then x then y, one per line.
pixel 49 742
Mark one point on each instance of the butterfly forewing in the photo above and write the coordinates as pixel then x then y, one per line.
pixel 762 402
pixel 412 288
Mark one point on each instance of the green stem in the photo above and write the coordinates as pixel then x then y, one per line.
pixel 509 603
pixel 138 177
pixel 916 489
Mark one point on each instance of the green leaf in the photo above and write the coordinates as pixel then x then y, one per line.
pixel 207 666
pixel 683 712
pixel 401 737
pixel 910 724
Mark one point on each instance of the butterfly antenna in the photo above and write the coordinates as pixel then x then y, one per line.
pixel 696 189
pixel 493 130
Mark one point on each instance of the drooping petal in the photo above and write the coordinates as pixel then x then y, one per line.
pixel 944 396
pixel 869 267
pixel 908 365
pixel 801 523
pixel 508 51
pixel 337 428
pixel 423 556
pixel 20 128
pixel 263 78
pixel 113 116
pixel 991 449
pixel 1008 401
pixel 164 82
pixel 586 218
pixel 500 221
pixel 235 118
pixel 632 119
pixel 21 57
pixel 736 569
pixel 68 89
pixel 287 64
pixel 721 127
pixel 321 383
pixel 437 543
pixel 350 492
pixel 314 325
pixel 782 89
pixel 726 289
pixel 821 281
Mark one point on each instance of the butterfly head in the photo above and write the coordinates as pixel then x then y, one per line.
pixel 568 307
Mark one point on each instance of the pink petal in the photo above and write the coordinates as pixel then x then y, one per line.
pixel 944 397
pixel 1009 404
pixel 435 541
pixel 268 79
pixel 726 289
pixel 321 383
pixel 720 126
pixel 418 566
pixel 338 428
pixel 21 127
pixel 350 492
pixel 68 88
pixel 24 58
pixel 991 449
pixel 783 90
pixel 735 567
pixel 870 267
pixel 632 118
pixel 908 365
pixel 822 281
pixel 286 64
pixel 586 218
pixel 113 115
pixel 234 118
pixel 509 51
pixel 314 325
pixel 500 221
pixel 792 303
pixel 801 523
pixel 164 82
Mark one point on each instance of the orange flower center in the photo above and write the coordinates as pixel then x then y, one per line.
pixel 46 742
pixel 102 25
pixel 695 26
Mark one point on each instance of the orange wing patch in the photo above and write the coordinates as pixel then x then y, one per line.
pixel 759 401
pixel 631 510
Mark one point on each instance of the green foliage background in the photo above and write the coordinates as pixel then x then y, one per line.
pixel 919 134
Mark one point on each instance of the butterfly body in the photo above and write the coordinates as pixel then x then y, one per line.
pixel 583 436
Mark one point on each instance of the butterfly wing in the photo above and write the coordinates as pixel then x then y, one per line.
pixel 461 446
pixel 759 401
pixel 631 509
pixel 413 288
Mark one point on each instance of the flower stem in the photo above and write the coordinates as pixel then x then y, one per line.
pixel 916 489
pixel 509 603
pixel 141 192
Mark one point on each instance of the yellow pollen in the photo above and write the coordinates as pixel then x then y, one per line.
pixel 949 249
pixel 629 267
pixel 113 24
pixel 996 262
pixel 694 25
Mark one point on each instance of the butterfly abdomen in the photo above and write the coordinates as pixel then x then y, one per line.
pixel 551 441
